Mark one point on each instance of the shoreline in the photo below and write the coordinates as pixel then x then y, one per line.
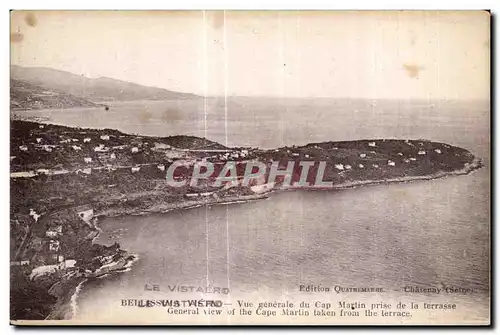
pixel 68 306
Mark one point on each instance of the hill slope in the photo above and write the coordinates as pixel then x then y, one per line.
pixel 28 96
pixel 94 89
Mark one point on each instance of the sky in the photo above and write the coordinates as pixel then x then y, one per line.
pixel 373 55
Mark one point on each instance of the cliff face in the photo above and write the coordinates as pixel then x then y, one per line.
pixel 24 95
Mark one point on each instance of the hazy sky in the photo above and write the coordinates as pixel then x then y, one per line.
pixel 288 53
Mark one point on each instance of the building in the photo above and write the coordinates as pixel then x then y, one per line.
pixel 54 245
pixel 54 231
pixel 105 137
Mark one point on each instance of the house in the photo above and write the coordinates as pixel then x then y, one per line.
pixel 375 166
pixel 105 137
pixel 339 166
pixel 34 215
pixel 134 150
pixel 161 167
pixel 372 144
pixel 85 212
pixel 406 160
pixel 41 126
pixel 12 158
pixel 54 245
pixel 421 152
pixel 348 167
pixel 306 156
pixel 400 154
pixel 135 169
pixel 39 140
pixel 87 160
pixel 54 231
pixel 76 147
pixel 23 148
pixel 47 148
pixel 361 166
pixel 362 155
pixel 86 140
pixel 437 151
pixel 112 156
pixel 391 163
pixel 413 159
pixel 42 171
pixel 25 262
pixel 101 148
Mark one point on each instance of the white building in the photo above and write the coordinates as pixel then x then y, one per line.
pixel 348 167
pixel 100 148
pixel 112 156
pixel 135 169
pixel 161 167
pixel 361 166
pixel 105 137
pixel 391 163
pixel 23 148
pixel 34 215
pixel 54 231
pixel 362 155
pixel 54 245
pixel 87 159
pixel 39 140
pixel 372 144
pixel 437 151
pixel 421 152
pixel 47 148
pixel 339 166
pixel 86 140
pixel 135 149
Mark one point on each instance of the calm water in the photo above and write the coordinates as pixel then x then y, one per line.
pixel 429 233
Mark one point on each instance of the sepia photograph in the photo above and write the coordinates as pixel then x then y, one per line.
pixel 230 167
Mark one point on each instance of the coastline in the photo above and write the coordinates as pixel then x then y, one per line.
pixel 66 305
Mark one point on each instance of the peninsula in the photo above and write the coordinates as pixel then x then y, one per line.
pixel 63 179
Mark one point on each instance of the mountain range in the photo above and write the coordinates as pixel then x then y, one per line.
pixel 60 89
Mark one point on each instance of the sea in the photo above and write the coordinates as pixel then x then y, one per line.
pixel 425 234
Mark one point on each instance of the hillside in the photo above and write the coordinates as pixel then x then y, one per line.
pixel 94 89
pixel 28 96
